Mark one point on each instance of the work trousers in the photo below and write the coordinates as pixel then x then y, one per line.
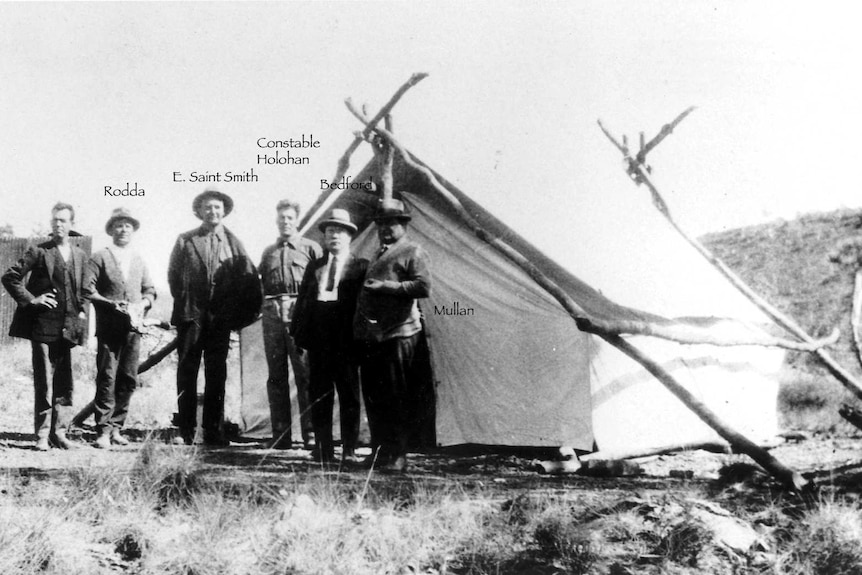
pixel 280 347
pixel 331 372
pixel 388 388
pixel 53 402
pixel 116 379
pixel 193 341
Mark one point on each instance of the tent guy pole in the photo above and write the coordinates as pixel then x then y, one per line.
pixel 639 172
pixel 784 474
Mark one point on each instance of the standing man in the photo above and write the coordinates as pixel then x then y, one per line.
pixel 215 289
pixel 323 324
pixel 281 269
pixel 119 286
pixel 389 325
pixel 51 315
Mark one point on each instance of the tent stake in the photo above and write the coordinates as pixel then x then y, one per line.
pixel 636 169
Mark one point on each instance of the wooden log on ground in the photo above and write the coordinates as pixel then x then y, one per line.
pixel 711 446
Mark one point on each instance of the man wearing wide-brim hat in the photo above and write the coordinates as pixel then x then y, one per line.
pixel 323 324
pixel 388 326
pixel 118 284
pixel 216 289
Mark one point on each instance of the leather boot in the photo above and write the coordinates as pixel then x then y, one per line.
pixel 60 440
pixel 104 439
pixel 118 439
pixel 42 443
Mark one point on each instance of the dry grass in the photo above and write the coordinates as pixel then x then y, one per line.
pixel 809 401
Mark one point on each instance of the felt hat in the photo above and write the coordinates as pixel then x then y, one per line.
pixel 211 193
pixel 338 217
pixel 121 214
pixel 392 209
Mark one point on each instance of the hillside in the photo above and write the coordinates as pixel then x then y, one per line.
pixel 805 267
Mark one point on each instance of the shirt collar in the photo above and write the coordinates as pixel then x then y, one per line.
pixel 293 241
pixel 342 257
pixel 218 231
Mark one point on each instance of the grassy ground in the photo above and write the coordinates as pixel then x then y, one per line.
pixel 156 509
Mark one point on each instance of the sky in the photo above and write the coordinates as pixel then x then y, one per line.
pixel 98 95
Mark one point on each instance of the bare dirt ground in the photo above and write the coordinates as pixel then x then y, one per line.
pixel 835 463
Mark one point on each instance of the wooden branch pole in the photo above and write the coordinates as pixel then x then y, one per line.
pixel 740 443
pixel 638 172
pixel 344 161
pixel 856 315
pixel 787 476
pixel 157 356
pixel 386 178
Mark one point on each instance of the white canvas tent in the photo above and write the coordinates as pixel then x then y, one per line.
pixel 518 371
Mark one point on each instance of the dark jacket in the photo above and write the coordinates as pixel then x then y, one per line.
pixel 234 297
pixel 104 277
pixel 44 262
pixel 303 326
pixel 387 313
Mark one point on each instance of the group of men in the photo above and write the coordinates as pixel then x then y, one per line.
pixel 345 325
pixel 52 284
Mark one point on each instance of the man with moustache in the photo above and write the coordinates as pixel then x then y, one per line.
pixel 282 267
pixel 118 284
pixel 388 324
pixel 216 289
pixel 323 324
pixel 51 315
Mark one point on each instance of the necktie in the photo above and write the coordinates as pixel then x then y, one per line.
pixel 330 280
pixel 213 259
pixel 382 251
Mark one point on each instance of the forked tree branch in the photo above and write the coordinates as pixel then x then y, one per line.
pixel 637 171
pixel 344 161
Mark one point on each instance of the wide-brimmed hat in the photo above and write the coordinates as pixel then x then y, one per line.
pixel 392 209
pixel 210 193
pixel 338 217
pixel 121 214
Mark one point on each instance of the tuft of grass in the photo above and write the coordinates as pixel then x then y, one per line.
pixel 169 475
pixel 563 541
pixel 827 540
pixel 684 542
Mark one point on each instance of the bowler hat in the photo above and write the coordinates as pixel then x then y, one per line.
pixel 211 193
pixel 392 209
pixel 121 214
pixel 338 217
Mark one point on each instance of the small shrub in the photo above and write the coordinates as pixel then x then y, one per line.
pixel 171 476
pixel 684 542
pixel 563 542
pixel 827 541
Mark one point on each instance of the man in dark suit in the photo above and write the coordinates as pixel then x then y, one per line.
pixel 389 326
pixel 118 284
pixel 323 324
pixel 216 289
pixel 51 315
